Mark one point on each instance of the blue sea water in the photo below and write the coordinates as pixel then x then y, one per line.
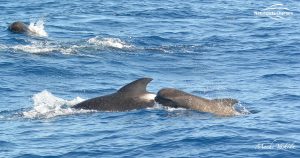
pixel 213 49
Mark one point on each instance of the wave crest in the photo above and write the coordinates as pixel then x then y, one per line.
pixel 109 42
pixel 42 46
pixel 36 48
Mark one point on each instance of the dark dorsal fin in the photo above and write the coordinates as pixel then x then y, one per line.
pixel 136 87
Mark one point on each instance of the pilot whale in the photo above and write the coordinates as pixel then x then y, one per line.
pixel 176 98
pixel 18 27
pixel 132 96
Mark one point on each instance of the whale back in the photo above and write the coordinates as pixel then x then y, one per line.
pixel 177 98
pixel 226 101
pixel 18 27
pixel 171 97
pixel 131 96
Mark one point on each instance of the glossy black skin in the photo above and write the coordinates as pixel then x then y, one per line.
pixel 127 98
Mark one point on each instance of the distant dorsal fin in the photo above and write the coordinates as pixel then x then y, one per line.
pixel 136 87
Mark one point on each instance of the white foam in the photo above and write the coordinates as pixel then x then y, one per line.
pixel 40 47
pixel 72 49
pixel 46 105
pixel 109 42
pixel 37 28
pixel 34 48
pixel 170 109
pixel 3 47
pixel 44 46
pixel 241 109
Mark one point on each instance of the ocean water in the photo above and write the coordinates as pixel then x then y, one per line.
pixel 79 50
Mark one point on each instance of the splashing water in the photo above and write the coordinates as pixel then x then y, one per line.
pixel 36 48
pixel 167 108
pixel 109 42
pixel 46 105
pixel 41 47
pixel 241 109
pixel 37 28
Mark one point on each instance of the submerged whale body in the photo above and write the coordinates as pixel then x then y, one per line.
pixel 179 99
pixel 132 96
pixel 18 27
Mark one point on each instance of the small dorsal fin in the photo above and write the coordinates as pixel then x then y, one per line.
pixel 136 87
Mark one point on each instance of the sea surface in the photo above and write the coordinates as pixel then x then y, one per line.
pixel 82 49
